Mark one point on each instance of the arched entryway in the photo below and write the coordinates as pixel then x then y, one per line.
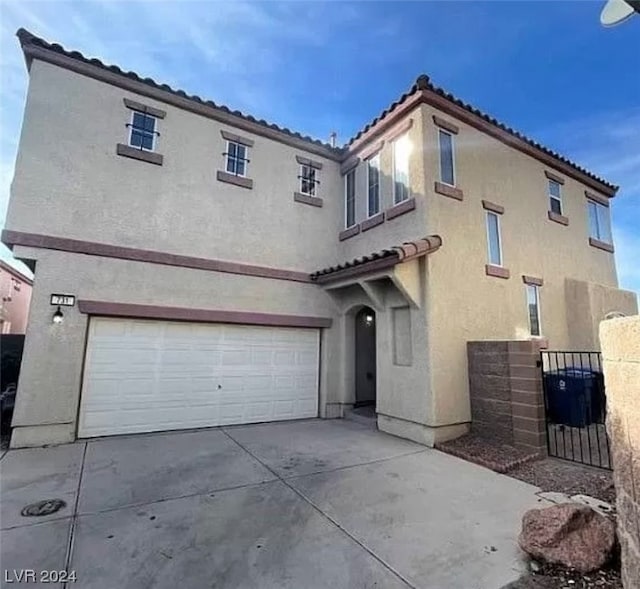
pixel 365 357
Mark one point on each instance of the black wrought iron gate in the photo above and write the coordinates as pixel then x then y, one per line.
pixel 575 406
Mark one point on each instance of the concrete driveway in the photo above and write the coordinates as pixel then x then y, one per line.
pixel 301 504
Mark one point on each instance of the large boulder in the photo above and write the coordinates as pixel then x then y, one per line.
pixel 570 534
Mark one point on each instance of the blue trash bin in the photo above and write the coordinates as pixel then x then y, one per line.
pixel 574 396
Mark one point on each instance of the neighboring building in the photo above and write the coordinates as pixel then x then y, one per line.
pixel 15 293
pixel 229 271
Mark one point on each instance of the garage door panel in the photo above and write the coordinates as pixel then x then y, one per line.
pixel 143 375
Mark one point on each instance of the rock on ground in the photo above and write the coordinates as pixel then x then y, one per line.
pixel 570 534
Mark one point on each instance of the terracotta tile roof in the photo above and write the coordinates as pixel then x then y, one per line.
pixel 423 82
pixel 29 39
pixel 380 260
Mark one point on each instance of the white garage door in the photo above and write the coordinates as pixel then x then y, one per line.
pixel 143 375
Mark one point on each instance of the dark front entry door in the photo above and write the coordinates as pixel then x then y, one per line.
pixel 365 357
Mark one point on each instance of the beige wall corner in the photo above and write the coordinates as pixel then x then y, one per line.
pixel 335 410
pixel 418 432
pixel 33 436
pixel 588 304
pixel 620 339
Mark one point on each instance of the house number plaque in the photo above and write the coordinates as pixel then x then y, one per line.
pixel 63 300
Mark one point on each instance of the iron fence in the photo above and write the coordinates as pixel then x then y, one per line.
pixel 575 406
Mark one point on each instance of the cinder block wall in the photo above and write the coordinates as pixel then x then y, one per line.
pixel 620 341
pixel 505 388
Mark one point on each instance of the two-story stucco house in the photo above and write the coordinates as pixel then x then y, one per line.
pixel 226 270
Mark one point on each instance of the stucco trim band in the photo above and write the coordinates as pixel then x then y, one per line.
pixel 558 218
pixel 450 191
pixel 307 199
pixel 532 280
pixel 604 201
pixel 446 125
pixel 497 271
pixel 401 208
pixel 601 245
pixel 151 157
pixel 305 161
pixel 554 177
pixel 372 222
pixel 236 138
pixel 139 107
pixel 108 309
pixel 350 232
pixel 151 257
pixel 236 180
pixel 490 206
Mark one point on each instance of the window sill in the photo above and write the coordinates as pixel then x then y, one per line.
pixel 497 271
pixel 558 218
pixel 372 222
pixel 236 180
pixel 601 245
pixel 307 199
pixel 400 208
pixel 541 341
pixel 347 233
pixel 150 157
pixel 450 191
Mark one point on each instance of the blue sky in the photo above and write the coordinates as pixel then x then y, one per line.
pixel 546 68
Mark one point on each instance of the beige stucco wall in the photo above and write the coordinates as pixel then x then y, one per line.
pixel 464 303
pixel 67 166
pixel 621 364
pixel 50 378
pixel 68 169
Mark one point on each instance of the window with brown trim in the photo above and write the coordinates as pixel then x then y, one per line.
pixel 599 222
pixel 308 180
pixel 236 159
pixel 555 197
pixel 533 308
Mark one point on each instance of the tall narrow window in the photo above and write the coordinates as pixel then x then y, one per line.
pixel 308 180
pixel 142 131
pixel 373 202
pixel 599 222
pixel 447 173
pixel 350 199
pixel 236 156
pixel 533 306
pixel 401 153
pixel 555 197
pixel 493 239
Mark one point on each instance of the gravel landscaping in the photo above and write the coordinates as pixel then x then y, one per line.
pixel 554 577
pixel 553 474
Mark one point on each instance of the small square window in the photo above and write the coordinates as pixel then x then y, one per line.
pixel 236 158
pixel 308 180
pixel 142 131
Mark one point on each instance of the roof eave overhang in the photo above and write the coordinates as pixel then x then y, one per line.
pixel 103 74
pixel 432 98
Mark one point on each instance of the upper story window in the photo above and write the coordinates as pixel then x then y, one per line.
pixel 447 163
pixel 401 153
pixel 308 180
pixel 533 306
pixel 555 197
pixel 599 222
pixel 350 199
pixel 494 241
pixel 142 131
pixel 373 185
pixel 236 159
